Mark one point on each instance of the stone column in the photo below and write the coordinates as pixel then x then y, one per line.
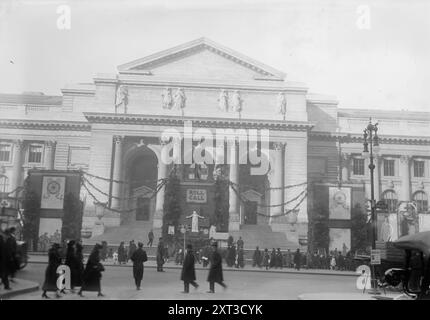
pixel 49 155
pixel 405 194
pixel 159 202
pixel 277 195
pixel 376 176
pixel 234 223
pixel 16 179
pixel 117 165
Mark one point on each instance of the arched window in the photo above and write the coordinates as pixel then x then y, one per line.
pixel 390 199
pixel 4 184
pixel 420 199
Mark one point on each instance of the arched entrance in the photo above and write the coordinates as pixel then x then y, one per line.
pixel 142 175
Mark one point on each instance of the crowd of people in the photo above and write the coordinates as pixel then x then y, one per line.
pixel 9 257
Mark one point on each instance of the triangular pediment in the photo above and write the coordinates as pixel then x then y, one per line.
pixel 201 58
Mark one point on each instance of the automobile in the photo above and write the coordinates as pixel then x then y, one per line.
pixel 414 277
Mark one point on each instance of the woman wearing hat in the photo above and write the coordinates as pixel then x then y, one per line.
pixel 93 273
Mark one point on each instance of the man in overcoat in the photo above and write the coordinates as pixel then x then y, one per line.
pixel 188 274
pixel 138 257
pixel 215 271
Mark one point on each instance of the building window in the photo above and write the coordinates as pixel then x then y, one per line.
pixel 358 167
pixel 388 168
pixel 420 199
pixel 35 153
pixel 4 184
pixel 390 199
pixel 5 152
pixel 418 169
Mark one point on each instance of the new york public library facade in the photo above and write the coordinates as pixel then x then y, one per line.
pixel 111 129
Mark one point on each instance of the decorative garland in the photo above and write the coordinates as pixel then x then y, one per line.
pixel 276 188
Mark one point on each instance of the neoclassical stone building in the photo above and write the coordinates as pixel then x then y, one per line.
pixel 111 128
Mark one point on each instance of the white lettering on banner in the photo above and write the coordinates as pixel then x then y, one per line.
pixel 196 195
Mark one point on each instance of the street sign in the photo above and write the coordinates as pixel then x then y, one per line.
pixel 183 229
pixel 171 230
pixel 375 257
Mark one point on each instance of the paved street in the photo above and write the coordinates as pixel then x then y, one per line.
pixel 117 283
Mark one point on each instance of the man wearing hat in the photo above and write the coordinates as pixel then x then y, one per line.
pixel 138 257
pixel 215 271
pixel 188 274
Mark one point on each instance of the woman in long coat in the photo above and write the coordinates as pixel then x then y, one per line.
pixel 54 260
pixel 80 264
pixel 122 254
pixel 160 255
pixel 273 258
pixel 72 263
pixel 266 259
pixel 93 273
pixel 215 271
pixel 188 274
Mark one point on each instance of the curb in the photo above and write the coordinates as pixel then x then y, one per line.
pixel 352 274
pixel 13 293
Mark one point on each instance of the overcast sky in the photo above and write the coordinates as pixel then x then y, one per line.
pixel 381 63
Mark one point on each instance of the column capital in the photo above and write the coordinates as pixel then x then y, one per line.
pixel 118 139
pixel 404 159
pixel 18 143
pixel 278 145
pixel 50 143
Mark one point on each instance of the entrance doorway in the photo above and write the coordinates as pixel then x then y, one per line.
pixel 251 212
pixel 143 209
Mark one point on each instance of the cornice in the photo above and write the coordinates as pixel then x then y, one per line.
pixel 358 138
pixel 134 119
pixel 45 125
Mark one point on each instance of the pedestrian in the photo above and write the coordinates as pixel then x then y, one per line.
pixel 333 263
pixel 4 267
pixel 279 259
pixel 150 238
pixel 215 272
pixel 230 241
pixel 266 259
pixel 72 263
pixel 240 243
pixel 12 253
pixel 240 258
pixel 131 249
pixel 297 259
pixel 138 257
pixel 188 274
pixel 80 264
pixel 110 254
pixel 179 257
pixel 160 255
pixel 54 261
pixel 273 259
pixel 205 256
pixel 256 258
pixel 122 255
pixel 104 251
pixel 288 259
pixel 93 273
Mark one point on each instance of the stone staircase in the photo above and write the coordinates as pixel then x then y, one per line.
pixel 263 237
pixel 137 231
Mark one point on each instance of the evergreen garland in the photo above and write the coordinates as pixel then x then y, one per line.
pixel 359 229
pixel 172 208
pixel 72 218
pixel 31 215
pixel 320 236
pixel 220 218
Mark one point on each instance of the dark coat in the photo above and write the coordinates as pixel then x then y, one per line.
pixel 266 259
pixel 74 265
pixel 122 254
pixel 297 258
pixel 160 253
pixel 273 258
pixel 256 258
pixel 51 276
pixel 138 257
pixel 11 254
pixel 131 249
pixel 215 271
pixel 80 266
pixel 188 273
pixel 92 273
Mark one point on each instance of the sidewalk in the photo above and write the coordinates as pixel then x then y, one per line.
pixel 352 296
pixel 151 263
pixel 18 287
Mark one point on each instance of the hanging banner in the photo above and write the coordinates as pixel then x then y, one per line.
pixel 340 203
pixel 53 192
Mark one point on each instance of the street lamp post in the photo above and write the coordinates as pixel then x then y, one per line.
pixel 371 145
